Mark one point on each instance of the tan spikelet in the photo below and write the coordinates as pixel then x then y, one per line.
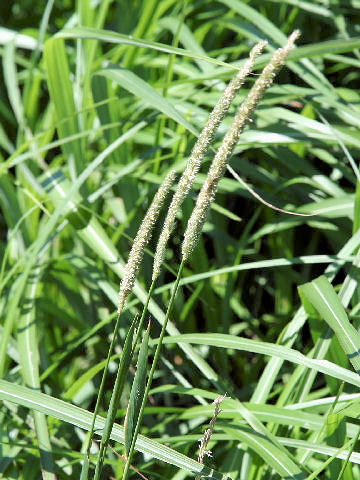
pixel 218 166
pixel 200 148
pixel 142 237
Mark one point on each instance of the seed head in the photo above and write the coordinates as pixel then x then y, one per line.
pixel 201 146
pixel 142 237
pixel 218 166
pixel 203 442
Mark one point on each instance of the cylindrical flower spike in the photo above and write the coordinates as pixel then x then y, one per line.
pixel 218 166
pixel 142 237
pixel 201 146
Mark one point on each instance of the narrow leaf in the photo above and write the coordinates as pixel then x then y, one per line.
pixel 137 393
pixel 79 417
pixel 137 86
pixel 264 348
pixel 61 93
pixel 323 297
pixel 274 457
pixel 123 369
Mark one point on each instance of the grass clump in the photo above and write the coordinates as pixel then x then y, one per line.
pixel 99 105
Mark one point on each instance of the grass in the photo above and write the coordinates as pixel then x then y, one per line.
pixel 97 105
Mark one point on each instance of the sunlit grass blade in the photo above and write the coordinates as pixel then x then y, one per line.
pixel 61 91
pixel 79 417
pixel 263 447
pixel 137 86
pixel 29 360
pixel 114 37
pixel 323 297
pixel 230 341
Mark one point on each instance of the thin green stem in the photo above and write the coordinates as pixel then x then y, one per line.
pixel 102 385
pixel 145 308
pixel 152 371
pixel 351 449
pixel 116 392
pixel 123 369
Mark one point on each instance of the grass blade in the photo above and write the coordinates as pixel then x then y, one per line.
pixel 321 294
pixel 81 418
pixel 123 368
pixel 137 393
pixel 61 92
pixel 230 341
pixel 136 85
pixel 29 360
pixel 114 37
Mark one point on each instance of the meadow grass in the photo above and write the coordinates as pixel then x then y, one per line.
pixel 98 104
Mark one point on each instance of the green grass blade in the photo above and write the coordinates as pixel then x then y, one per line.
pixel 85 469
pixel 230 341
pixel 123 368
pixel 61 92
pixel 323 297
pixel 11 81
pixel 81 418
pixel 314 475
pixel 132 82
pixel 137 393
pixel 273 457
pixel 29 361
pixel 118 38
pixel 273 263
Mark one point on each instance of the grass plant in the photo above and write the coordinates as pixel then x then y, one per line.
pixel 243 303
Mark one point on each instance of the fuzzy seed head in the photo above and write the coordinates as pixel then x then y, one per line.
pixel 142 238
pixel 218 166
pixel 200 148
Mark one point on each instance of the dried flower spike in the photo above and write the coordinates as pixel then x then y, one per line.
pixel 142 237
pixel 201 146
pixel 203 442
pixel 218 166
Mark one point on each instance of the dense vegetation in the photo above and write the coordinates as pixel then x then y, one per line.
pixel 98 102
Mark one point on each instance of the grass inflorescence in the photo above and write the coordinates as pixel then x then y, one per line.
pixel 248 338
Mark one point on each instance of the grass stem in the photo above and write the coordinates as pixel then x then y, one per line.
pixel 152 370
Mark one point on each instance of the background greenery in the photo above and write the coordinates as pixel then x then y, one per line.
pixel 92 117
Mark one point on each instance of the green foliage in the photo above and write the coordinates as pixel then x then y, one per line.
pixel 98 103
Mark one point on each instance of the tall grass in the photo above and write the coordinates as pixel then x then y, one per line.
pixel 98 104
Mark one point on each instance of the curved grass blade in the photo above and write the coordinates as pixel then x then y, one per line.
pixel 118 38
pixel 321 294
pixel 137 86
pixel 81 418
pixel 273 350
pixel 273 263
pixel 273 456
